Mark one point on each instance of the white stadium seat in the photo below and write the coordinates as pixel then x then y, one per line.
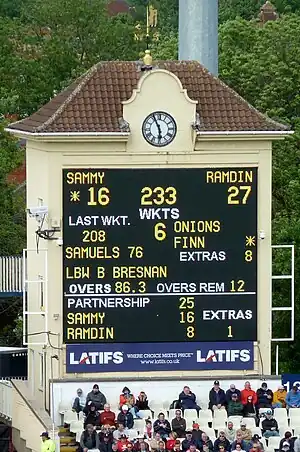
pixel 64 406
pixel 189 423
pixel 236 420
pixel 210 432
pixel 77 427
pixel 250 422
pixel 263 441
pixel 284 428
pixel 146 414
pixel 70 416
pixel 220 414
pixel 132 434
pixel 256 431
pixel 205 416
pixel 294 422
pixel 166 404
pixel 273 442
pixel 219 424
pixel 280 413
pixel 296 430
pixel 294 413
pixel 139 425
pixel 190 414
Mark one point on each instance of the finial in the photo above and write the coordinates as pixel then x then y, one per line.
pixel 147 58
pixel 147 61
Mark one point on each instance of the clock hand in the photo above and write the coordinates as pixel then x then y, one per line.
pixel 158 128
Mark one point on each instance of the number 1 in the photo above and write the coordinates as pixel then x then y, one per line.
pixel 230 331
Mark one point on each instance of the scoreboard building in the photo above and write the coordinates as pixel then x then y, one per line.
pixel 150 253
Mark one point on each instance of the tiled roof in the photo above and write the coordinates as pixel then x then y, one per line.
pixel 94 102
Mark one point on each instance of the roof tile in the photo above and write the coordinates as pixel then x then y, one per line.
pixel 93 103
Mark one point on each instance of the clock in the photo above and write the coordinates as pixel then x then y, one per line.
pixel 159 129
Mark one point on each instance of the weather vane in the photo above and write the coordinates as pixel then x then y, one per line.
pixel 151 23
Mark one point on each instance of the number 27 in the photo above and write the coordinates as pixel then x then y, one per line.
pixel 234 192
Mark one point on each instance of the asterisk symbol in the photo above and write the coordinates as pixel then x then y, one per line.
pixel 75 196
pixel 250 240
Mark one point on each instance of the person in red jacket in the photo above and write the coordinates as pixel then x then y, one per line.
pixel 170 443
pixel 107 417
pixel 245 393
pixel 123 443
pixel 126 398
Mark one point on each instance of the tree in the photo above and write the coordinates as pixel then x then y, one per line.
pixel 11 8
pixel 53 42
pixel 13 227
pixel 261 63
pixel 249 9
pixel 12 203
pixel 231 9
pixel 166 48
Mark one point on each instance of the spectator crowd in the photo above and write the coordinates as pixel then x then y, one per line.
pixel 107 431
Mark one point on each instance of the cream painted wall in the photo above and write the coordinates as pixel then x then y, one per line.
pixel 45 161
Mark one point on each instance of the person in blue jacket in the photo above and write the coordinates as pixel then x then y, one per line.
pixel 293 398
pixel 187 400
pixel 217 397
pixel 162 426
pixel 232 390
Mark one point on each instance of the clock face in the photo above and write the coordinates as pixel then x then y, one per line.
pixel 159 129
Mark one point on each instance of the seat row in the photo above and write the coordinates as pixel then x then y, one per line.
pixel 270 446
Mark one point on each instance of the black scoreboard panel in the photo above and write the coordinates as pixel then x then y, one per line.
pixel 160 255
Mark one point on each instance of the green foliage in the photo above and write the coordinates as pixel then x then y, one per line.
pixel 261 63
pixel 12 205
pixel 166 48
pixel 54 41
pixel 11 8
pixel 246 9
pixel 11 323
pixel 249 9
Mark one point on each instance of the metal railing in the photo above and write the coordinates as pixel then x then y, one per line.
pixel 6 392
pixel 11 276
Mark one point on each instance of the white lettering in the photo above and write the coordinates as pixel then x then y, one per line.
pixel 224 314
pixel 163 213
pixel 97 358
pixel 229 356
pixel 201 256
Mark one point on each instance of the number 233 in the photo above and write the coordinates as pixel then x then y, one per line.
pixel 158 196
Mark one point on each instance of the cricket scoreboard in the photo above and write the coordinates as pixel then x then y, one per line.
pixel 159 255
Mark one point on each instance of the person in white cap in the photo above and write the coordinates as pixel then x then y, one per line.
pixel 279 397
pixel 125 417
